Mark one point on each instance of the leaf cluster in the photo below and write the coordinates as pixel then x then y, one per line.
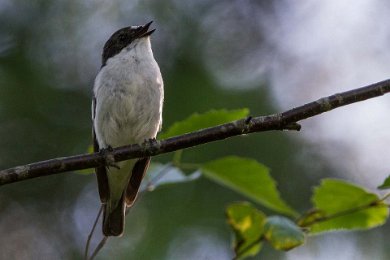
pixel 336 204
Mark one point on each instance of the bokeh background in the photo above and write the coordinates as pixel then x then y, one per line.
pixel 265 55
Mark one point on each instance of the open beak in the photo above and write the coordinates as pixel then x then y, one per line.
pixel 143 30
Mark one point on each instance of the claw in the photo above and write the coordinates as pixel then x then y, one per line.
pixel 149 141
pixel 150 144
pixel 109 157
pixel 248 119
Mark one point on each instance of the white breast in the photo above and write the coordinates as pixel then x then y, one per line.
pixel 129 97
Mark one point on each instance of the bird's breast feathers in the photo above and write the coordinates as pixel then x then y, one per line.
pixel 129 97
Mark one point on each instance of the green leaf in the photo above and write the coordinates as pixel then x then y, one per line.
pixel 343 205
pixel 248 225
pixel 385 184
pixel 249 178
pixel 334 195
pixel 282 233
pixel 199 121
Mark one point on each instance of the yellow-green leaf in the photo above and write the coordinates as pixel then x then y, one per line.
pixel 247 223
pixel 248 177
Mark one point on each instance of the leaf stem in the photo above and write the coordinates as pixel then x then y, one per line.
pixel 341 213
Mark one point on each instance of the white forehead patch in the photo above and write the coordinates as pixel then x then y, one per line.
pixel 135 26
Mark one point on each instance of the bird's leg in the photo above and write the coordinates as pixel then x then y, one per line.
pixel 109 157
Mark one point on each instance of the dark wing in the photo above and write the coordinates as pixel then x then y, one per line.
pixel 137 175
pixel 101 171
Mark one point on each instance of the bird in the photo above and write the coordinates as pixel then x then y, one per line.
pixel 127 103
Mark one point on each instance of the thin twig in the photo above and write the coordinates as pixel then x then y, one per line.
pixel 342 213
pixel 248 247
pixel 99 246
pixel 385 197
pixel 91 233
pixel 282 121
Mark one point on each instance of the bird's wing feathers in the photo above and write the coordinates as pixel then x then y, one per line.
pixel 101 171
pixel 137 175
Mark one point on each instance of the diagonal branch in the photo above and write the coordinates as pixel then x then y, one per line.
pixel 281 121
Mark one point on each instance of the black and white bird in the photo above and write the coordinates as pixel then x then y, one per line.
pixel 127 106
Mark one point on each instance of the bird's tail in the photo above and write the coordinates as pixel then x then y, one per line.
pixel 114 218
pixel 114 214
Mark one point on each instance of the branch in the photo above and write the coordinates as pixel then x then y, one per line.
pixel 281 121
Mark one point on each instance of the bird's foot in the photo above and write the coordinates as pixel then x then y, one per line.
pixel 151 145
pixel 149 141
pixel 109 157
